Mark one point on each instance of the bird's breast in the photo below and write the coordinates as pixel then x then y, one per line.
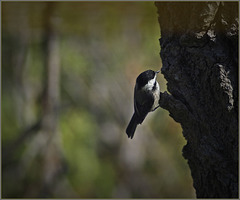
pixel 156 95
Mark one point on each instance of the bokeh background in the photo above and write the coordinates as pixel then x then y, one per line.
pixel 68 74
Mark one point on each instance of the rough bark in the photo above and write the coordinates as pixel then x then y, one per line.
pixel 199 51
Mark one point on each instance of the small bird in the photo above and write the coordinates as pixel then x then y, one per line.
pixel 146 99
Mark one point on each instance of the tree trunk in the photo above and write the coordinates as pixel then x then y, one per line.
pixel 52 155
pixel 199 51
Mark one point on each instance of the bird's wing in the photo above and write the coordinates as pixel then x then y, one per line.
pixel 143 102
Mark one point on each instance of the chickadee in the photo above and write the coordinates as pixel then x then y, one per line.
pixel 146 98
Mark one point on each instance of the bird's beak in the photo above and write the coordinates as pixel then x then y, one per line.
pixel 157 71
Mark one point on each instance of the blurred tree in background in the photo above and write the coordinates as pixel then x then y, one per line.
pixel 68 73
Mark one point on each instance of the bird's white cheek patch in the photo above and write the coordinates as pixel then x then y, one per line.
pixel 150 84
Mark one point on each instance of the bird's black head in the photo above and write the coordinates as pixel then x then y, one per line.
pixel 144 77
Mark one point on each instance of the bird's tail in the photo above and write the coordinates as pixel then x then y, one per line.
pixel 132 126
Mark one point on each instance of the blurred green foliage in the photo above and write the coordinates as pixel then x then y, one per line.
pixel 103 47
